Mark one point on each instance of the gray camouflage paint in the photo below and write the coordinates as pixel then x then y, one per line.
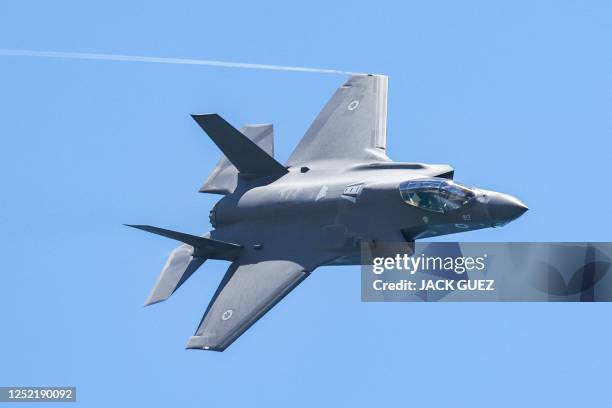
pixel 338 190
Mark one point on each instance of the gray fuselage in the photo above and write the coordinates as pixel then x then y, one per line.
pixel 331 211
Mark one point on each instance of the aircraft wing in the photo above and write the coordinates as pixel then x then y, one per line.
pixel 352 126
pixel 245 294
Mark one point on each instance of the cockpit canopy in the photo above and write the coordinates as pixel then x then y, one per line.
pixel 435 194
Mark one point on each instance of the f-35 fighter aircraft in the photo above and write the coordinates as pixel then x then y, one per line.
pixel 338 191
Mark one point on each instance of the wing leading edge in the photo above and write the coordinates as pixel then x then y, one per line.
pixel 352 126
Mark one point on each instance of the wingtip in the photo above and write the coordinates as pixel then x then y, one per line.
pixel 151 301
pixel 365 76
pixel 199 343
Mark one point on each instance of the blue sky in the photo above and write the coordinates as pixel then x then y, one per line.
pixel 516 96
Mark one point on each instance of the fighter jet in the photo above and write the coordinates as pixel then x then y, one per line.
pixel 337 192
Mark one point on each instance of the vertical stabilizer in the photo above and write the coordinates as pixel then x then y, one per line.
pixel 223 178
pixel 245 155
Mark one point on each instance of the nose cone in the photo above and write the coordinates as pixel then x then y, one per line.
pixel 504 208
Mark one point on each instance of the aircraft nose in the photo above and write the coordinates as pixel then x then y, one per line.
pixel 504 208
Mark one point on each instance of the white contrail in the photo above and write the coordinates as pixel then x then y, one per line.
pixel 159 60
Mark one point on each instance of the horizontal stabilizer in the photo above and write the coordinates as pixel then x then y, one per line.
pixel 185 260
pixel 242 152
pixel 203 247
pixel 180 266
